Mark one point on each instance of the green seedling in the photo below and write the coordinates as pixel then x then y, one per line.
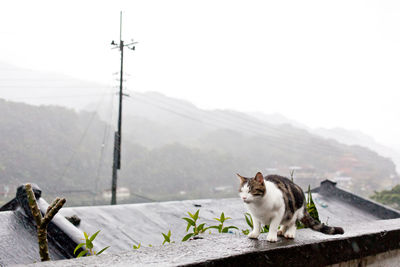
pixel 88 249
pixel 192 222
pixel 220 227
pixel 167 238
pixel 311 208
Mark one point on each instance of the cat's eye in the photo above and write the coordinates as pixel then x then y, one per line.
pixel 258 192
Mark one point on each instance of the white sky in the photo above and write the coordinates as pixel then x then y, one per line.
pixel 322 63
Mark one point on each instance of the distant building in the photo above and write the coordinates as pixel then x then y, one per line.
pixel 122 193
pixel 224 189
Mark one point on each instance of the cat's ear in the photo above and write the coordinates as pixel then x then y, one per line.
pixel 242 179
pixel 259 177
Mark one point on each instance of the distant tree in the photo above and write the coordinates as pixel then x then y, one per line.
pixel 389 197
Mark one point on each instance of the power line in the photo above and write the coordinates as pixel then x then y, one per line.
pixel 94 114
pixel 54 96
pixel 255 129
pixel 104 144
pixel 143 197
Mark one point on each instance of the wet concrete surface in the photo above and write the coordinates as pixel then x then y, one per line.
pixel 125 225
pixel 19 240
pixel 308 249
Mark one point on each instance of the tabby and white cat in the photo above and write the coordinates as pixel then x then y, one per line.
pixel 276 200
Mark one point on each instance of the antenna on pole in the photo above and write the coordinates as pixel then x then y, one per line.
pixel 118 134
pixel 120 26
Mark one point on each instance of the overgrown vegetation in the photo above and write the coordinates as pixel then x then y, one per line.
pixel 311 208
pixel 389 197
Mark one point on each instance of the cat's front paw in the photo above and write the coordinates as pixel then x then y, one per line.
pixel 272 238
pixel 253 235
pixel 289 235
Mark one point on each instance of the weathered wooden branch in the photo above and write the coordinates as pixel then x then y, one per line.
pixel 43 222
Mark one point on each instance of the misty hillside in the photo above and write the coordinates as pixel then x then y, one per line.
pixel 171 150
pixel 155 110
pixel 153 119
pixel 348 137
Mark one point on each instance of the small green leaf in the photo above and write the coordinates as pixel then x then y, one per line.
pixel 187 237
pixel 94 236
pixel 246 231
pixel 78 247
pixel 86 235
pixel 196 215
pixel 190 221
pixel 265 229
pixel 191 215
pixel 89 244
pixel 166 237
pixel 200 227
pixel 222 217
pixel 311 208
pixel 101 251
pixel 136 247
pixel 249 220
pixel 84 252
pixel 230 227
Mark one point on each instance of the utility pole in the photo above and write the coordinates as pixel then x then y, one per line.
pixel 118 134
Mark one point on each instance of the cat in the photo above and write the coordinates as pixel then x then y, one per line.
pixel 276 200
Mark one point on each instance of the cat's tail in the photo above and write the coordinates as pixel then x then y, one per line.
pixel 309 222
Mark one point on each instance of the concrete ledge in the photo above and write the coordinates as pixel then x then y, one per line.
pixel 308 249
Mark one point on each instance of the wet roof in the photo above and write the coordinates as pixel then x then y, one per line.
pixel 18 240
pixel 125 225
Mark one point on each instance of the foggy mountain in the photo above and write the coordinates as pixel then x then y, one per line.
pixel 152 119
pixel 171 149
pixel 278 119
pixel 69 153
pixel 348 137
pixel 42 88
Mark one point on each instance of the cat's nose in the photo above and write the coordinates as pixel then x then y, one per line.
pixel 244 198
